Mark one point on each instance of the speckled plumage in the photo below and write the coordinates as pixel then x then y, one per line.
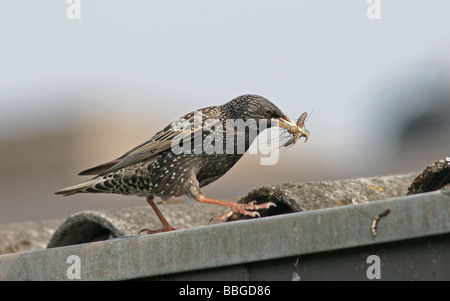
pixel 153 169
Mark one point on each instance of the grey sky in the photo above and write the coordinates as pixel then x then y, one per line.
pixel 302 55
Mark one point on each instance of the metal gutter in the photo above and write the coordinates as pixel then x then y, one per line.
pixel 239 242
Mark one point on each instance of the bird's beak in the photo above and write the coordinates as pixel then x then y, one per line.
pixel 291 126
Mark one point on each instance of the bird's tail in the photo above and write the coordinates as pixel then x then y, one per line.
pixel 88 186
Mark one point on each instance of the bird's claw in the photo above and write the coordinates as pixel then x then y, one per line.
pixel 244 209
pixel 254 206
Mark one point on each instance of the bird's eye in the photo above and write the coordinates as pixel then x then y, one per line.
pixel 272 114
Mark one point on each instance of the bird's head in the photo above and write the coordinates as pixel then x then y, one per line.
pixel 257 107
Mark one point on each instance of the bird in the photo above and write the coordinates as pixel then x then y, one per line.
pixel 157 167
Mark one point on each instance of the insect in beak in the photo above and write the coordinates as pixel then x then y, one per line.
pixel 296 129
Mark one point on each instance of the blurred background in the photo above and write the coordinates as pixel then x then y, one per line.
pixel 77 93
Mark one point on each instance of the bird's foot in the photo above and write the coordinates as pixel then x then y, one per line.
pixel 244 209
pixel 163 229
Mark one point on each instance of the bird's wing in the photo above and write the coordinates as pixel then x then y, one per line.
pixel 160 142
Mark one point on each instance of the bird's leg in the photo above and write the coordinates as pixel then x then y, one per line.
pixel 165 225
pixel 244 209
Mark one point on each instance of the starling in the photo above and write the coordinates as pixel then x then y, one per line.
pixel 154 168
